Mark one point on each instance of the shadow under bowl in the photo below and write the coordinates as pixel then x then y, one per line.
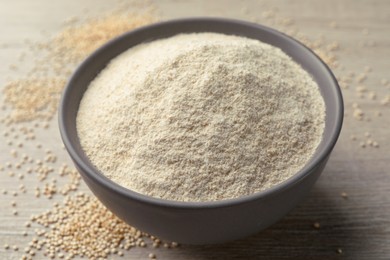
pixel 201 222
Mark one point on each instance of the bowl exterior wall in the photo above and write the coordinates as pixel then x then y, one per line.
pixel 204 225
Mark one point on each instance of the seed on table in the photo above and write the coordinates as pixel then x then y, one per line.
pixel 316 225
pixel 14 153
pixel 344 195
pixel 361 78
pixel 367 69
pixel 152 256
pixel 333 25
pixel 361 89
pixel 384 82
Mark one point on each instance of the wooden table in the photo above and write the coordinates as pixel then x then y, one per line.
pixel 357 227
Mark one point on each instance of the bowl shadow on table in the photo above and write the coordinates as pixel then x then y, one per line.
pixel 294 236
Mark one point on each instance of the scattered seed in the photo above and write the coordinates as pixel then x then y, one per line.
pixel 384 82
pixel 333 25
pixel 367 69
pixel 14 153
pixel 361 78
pixel 358 114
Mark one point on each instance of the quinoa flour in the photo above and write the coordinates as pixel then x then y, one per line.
pixel 201 117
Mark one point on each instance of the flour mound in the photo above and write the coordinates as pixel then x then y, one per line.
pixel 201 117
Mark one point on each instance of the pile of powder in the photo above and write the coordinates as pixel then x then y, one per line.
pixel 201 117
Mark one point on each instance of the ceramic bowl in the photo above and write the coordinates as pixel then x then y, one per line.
pixel 201 222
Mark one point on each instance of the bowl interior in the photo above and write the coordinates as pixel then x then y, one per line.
pixel 88 70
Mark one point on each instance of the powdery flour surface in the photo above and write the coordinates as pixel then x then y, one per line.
pixel 201 117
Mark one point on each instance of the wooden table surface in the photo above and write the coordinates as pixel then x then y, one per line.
pixel 354 228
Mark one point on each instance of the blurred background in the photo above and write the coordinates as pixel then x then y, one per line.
pixel 346 216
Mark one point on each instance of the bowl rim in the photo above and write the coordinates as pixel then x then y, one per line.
pixel 93 173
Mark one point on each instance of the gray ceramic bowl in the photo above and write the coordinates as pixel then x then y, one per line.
pixel 201 222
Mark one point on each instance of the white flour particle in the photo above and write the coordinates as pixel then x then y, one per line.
pixel 201 117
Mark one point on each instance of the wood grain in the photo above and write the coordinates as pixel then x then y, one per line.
pixel 358 225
